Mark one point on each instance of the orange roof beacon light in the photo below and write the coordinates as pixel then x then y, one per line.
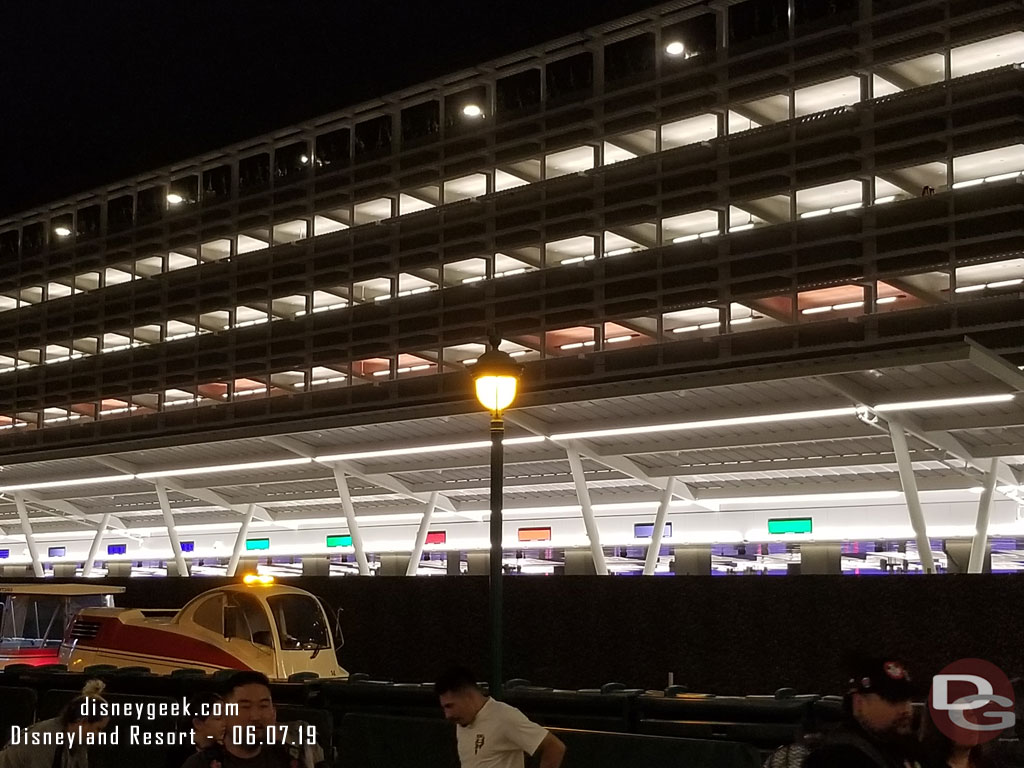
pixel 257 579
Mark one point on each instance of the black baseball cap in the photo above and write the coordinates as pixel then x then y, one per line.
pixel 889 678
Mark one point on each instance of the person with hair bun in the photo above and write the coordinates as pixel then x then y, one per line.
pixel 59 742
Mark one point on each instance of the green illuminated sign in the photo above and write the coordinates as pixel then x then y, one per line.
pixel 339 541
pixel 790 525
pixel 251 544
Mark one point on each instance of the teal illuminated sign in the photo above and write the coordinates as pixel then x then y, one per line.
pixel 790 525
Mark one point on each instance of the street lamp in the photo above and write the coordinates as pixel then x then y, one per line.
pixel 497 378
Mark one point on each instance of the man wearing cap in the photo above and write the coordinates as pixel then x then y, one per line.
pixel 879 727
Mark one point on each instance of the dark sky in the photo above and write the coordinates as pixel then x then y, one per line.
pixel 92 91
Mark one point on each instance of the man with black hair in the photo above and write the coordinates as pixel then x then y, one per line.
pixel 490 733
pixel 246 731
pixel 879 728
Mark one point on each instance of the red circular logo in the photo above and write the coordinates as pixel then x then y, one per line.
pixel 971 702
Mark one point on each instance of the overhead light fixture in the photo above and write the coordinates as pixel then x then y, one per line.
pixel 709 423
pixel 62 231
pixel 217 469
pixel 948 402
pixel 443 448
pixel 175 199
pixel 67 483
pixel 303 159
pixel 675 48
pixel 472 110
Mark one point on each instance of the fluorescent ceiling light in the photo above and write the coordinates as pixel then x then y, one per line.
pixel 943 403
pixel 222 468
pixel 675 48
pixel 443 448
pixel 66 483
pixel 62 231
pixel 472 110
pixel 709 424
pixel 174 198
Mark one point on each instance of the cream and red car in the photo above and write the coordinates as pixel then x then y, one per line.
pixel 257 625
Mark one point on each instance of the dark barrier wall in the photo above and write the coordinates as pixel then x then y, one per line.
pixel 743 634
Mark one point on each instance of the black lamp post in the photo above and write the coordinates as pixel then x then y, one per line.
pixel 497 378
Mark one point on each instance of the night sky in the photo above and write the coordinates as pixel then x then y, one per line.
pixel 94 91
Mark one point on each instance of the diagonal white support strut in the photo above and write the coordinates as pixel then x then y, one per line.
pixel 172 531
pixel 243 532
pixel 583 494
pixel 980 541
pixel 353 525
pixel 651 563
pixel 907 479
pixel 26 528
pixel 94 548
pixel 421 536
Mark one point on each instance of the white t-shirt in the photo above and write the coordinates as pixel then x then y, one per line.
pixel 498 737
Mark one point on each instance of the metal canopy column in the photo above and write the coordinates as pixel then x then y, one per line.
pixel 172 532
pixel 583 494
pixel 243 532
pixel 909 483
pixel 26 528
pixel 421 536
pixel 94 548
pixel 980 541
pixel 353 525
pixel 653 550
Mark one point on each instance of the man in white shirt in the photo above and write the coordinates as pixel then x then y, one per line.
pixel 490 733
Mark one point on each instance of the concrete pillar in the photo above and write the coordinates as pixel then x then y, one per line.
pixel 65 570
pixel 692 561
pixel 579 563
pixel 316 565
pixel 247 565
pixel 172 568
pixel 119 569
pixel 479 563
pixel 454 563
pixel 959 554
pixel 820 558
pixel 393 565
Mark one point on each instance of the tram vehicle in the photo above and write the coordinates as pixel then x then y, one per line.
pixel 34 618
pixel 257 625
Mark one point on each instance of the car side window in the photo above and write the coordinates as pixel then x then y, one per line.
pixel 210 615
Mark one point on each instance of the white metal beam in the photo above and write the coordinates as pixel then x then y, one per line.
pixel 94 548
pixel 942 440
pixel 619 463
pixel 654 549
pixel 172 531
pixel 353 524
pixel 980 540
pixel 917 521
pixel 589 521
pixel 421 536
pixel 30 540
pixel 71 511
pixel 202 494
pixel 243 532
pixel 353 469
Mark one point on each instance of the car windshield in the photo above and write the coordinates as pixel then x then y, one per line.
pixel 301 623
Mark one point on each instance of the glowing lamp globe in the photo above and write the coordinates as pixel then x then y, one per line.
pixel 497 379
